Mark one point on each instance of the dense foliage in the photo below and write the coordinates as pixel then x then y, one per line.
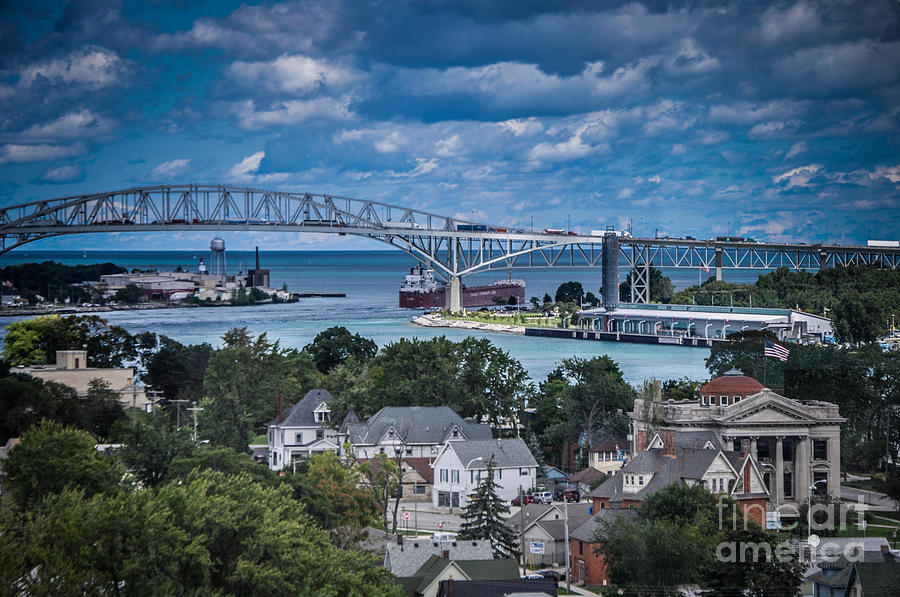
pixel 333 346
pixel 54 281
pixel 676 539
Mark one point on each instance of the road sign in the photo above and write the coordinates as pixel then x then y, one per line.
pixel 537 547
pixel 440 525
pixel 406 516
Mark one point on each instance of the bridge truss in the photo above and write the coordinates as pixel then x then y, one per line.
pixel 454 247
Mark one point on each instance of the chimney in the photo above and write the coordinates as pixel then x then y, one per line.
pixel 280 407
pixel 445 554
pixel 669 443
pixel 641 441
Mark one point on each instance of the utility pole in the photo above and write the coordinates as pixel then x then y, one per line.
pixel 177 404
pixel 195 409
pixel 522 528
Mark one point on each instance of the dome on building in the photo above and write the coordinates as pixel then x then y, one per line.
pixel 732 383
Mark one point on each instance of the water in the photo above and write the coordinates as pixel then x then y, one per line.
pixel 371 280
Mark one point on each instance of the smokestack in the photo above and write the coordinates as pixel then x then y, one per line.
pixel 445 554
pixel 280 407
pixel 669 443
pixel 257 258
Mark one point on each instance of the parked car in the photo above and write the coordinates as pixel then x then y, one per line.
pixel 542 497
pixel 550 575
pixel 526 497
pixel 534 576
pixel 570 495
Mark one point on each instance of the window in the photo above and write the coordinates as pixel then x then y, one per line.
pixel 523 472
pixel 736 399
pixel 419 490
pixel 445 475
pixel 703 400
pixel 320 433
pixel 724 400
pixel 721 484
pixel 454 476
pixel 409 451
pixel 455 434
pixel 820 449
pixel 713 401
pixel 641 480
pixel 298 438
pixel 271 436
pixel 500 473
pixel 471 476
pixel 821 488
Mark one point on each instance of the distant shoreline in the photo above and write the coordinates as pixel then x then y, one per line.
pixel 436 321
pixel 35 311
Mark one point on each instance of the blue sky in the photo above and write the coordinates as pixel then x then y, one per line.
pixel 779 121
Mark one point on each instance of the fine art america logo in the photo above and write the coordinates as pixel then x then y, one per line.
pixel 820 518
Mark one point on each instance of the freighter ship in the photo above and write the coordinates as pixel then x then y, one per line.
pixel 422 290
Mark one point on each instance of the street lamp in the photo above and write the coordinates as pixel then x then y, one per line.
pixel 812 488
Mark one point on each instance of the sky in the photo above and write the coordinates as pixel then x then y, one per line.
pixel 777 121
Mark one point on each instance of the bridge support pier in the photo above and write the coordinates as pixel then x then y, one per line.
pixel 718 264
pixel 453 295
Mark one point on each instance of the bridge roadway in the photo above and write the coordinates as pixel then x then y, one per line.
pixel 453 247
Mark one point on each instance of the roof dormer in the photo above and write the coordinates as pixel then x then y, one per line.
pixel 322 413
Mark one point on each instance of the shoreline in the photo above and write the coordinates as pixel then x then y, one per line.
pixel 436 321
pixel 36 311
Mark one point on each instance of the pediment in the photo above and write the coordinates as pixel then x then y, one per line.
pixel 766 407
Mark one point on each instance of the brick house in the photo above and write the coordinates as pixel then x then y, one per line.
pixel 587 564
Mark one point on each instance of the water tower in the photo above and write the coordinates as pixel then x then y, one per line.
pixel 217 260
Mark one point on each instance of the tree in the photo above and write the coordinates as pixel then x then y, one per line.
pixel 52 457
pixel 495 387
pixel 102 408
pixel 150 446
pixel 547 298
pixel 483 517
pixel 36 340
pixel 178 370
pixel 335 345
pixel 383 478
pixel 535 302
pixel 569 292
pixel 26 400
pixel 130 294
pixel 243 380
pixel 661 288
pixel 681 389
pixel 890 485
pixel 744 352
pixel 596 391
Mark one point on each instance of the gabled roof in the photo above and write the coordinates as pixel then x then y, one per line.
pixel 790 411
pixel 472 569
pixel 507 453
pixel 421 466
pixel 406 559
pixel 302 414
pixel 534 513
pixel 415 425
pixel 587 476
pixel 876 578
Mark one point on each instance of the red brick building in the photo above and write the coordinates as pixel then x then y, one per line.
pixel 587 564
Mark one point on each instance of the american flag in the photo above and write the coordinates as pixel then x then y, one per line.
pixel 776 351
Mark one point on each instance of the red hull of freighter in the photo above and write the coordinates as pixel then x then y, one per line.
pixel 474 296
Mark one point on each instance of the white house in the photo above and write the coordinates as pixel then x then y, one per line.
pixel 302 430
pixel 460 465
pixel 414 431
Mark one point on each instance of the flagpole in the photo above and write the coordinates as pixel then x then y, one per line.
pixel 765 367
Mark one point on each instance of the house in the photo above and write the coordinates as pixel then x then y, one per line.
pixel 416 479
pixel 404 556
pixel 587 477
pixel 833 559
pixel 587 565
pixel 721 471
pixel 302 430
pixel 871 579
pixel 796 444
pixel 513 587
pixel 461 464
pixel 425 582
pixel 414 431
pixel 544 535
pixel 71 369
pixel 609 456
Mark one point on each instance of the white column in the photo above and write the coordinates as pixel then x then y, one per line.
pixel 779 469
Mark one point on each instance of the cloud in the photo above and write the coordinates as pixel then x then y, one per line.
pixel 93 67
pixel 840 68
pixel 891 173
pixel 798 20
pixel 62 174
pixel 796 149
pixel 291 112
pixel 81 124
pixel 14 153
pixel 573 148
pixel 749 113
pixel 449 147
pixel 293 75
pixel 423 166
pixel 170 168
pixel 798 177
pixel 522 126
pixel 243 170
pixel 391 143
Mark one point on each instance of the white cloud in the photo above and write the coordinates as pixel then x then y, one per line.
pixel 246 168
pixel 679 149
pixel 449 147
pixel 571 149
pixel 625 193
pixel 892 173
pixel 770 130
pixel 295 75
pixel 292 112
pixel 92 66
pixel 423 166
pixel 796 149
pixel 747 113
pixel 391 143
pixel 522 126
pixel 655 179
pixel 14 153
pixel 798 177
pixel 75 125
pixel 714 137
pixel 170 168
pixel 801 18
pixel 64 173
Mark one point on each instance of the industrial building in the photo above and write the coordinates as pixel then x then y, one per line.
pixel 704 322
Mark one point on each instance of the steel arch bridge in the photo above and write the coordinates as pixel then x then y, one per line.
pixel 454 247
